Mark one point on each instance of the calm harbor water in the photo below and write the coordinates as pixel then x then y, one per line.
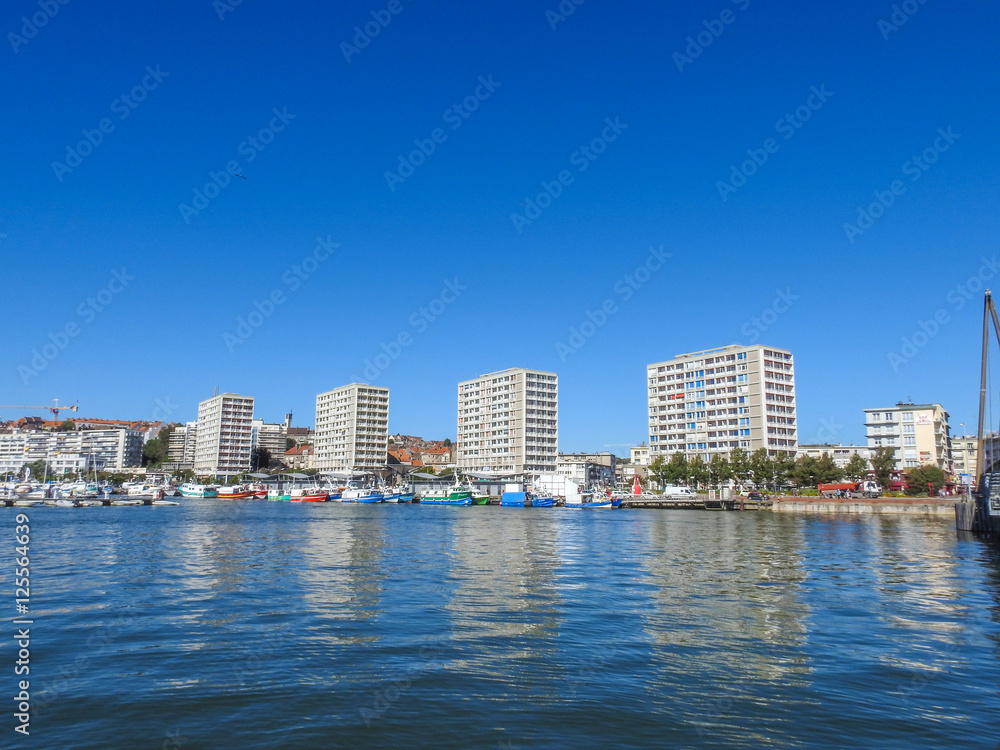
pixel 221 624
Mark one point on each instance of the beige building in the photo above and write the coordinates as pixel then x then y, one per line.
pixel 713 401
pixel 352 428
pixel 224 435
pixel 917 433
pixel 508 423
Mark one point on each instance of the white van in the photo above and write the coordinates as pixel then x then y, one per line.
pixel 680 493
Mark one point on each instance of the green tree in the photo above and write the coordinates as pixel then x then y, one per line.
pixel 446 442
pixel 289 443
pixel 782 467
pixel 68 425
pixel 760 465
pixel 678 469
pixel 697 471
pixel 918 479
pixel 657 470
pixel 739 465
pixel 857 468
pixel 719 470
pixel 260 458
pixel 38 469
pixel 805 472
pixel 827 470
pixel 154 452
pixel 883 463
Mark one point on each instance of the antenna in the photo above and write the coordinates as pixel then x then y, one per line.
pixel 216 390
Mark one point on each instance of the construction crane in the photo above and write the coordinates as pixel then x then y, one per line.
pixel 54 409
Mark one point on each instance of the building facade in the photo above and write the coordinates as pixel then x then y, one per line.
pixel 964 461
pixel 181 448
pixel 508 423
pixel 224 435
pixel 917 433
pixel 713 401
pixel 588 469
pixel 71 452
pixel 352 428
pixel 270 437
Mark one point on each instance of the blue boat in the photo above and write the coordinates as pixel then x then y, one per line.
pixel 406 497
pixel 542 502
pixel 514 500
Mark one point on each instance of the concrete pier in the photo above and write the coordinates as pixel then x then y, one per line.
pixel 944 507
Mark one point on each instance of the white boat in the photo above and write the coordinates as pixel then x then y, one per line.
pixel 189 489
pixel 67 503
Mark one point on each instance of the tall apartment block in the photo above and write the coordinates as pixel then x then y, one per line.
pixel 710 402
pixel 917 433
pixel 223 434
pixel 508 423
pixel 352 428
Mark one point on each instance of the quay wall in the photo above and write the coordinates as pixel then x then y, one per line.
pixel 888 506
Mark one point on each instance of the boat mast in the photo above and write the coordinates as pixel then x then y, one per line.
pixel 989 312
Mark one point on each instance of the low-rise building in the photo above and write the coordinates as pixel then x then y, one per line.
pixel 917 433
pixel 841 454
pixel 588 469
pixel 71 452
pixel 299 457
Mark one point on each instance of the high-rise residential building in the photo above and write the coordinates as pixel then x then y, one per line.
pixel 181 447
pixel 713 401
pixel 224 434
pixel 352 428
pixel 508 423
pixel 917 433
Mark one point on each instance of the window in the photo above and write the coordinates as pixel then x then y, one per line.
pixel 908 429
pixel 888 416
pixel 908 416
pixel 909 441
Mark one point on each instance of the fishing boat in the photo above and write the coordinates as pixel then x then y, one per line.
pixel 457 494
pixel 361 495
pixel 190 489
pixel 542 502
pixel 279 494
pixel 480 498
pixel 311 494
pixel 235 492
pixel 588 500
pixel 259 490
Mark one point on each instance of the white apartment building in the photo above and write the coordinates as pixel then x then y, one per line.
pixel 72 452
pixel 352 428
pixel 508 423
pixel 917 433
pixel 224 435
pixel 712 401
pixel 183 439
pixel 639 455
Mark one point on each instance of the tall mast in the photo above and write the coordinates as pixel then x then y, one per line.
pixel 980 462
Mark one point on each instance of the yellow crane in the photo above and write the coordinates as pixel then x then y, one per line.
pixel 54 409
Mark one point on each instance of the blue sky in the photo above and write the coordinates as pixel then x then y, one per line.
pixel 862 106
